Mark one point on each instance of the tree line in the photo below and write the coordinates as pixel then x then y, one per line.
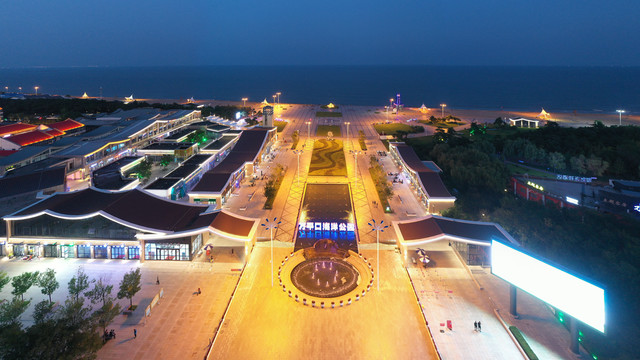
pixel 71 330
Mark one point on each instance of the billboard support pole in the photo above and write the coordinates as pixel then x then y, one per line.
pixel 513 308
pixel 575 343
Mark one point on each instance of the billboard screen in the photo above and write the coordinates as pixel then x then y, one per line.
pixel 574 296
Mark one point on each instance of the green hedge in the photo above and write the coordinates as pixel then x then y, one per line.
pixel 523 343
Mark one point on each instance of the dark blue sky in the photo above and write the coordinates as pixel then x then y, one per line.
pixel 349 32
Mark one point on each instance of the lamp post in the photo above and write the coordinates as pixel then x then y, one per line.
pixel 389 108
pixel 443 106
pixel 355 169
pixel 19 89
pixel 244 102
pixel 270 225
pixel 278 93
pixel 620 113
pixel 347 123
pixel 37 87
pixel 308 128
pixel 298 152
pixel 378 228
pixel 274 99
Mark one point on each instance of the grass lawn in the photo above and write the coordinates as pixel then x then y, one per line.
pixel 280 124
pixel 393 128
pixel 323 130
pixel 442 124
pixel 328 114
pixel 327 159
pixel 515 169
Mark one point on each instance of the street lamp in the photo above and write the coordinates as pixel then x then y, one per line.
pixel 378 228
pixel 620 113
pixel 443 106
pixel 347 123
pixel 244 102
pixel 308 128
pixel 355 170
pixel 37 87
pixel 270 225
pixel 274 100
pixel 19 89
pixel 298 152
pixel 278 93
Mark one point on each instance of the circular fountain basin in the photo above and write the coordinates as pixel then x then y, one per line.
pixel 325 277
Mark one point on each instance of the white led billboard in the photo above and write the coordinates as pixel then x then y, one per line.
pixel 578 298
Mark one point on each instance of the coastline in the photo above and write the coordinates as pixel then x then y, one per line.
pixel 571 119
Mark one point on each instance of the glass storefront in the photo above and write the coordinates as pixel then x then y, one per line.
pixel 84 251
pixel 117 252
pixel 67 251
pixel 18 250
pixel 51 250
pixel 165 251
pixel 134 252
pixel 100 252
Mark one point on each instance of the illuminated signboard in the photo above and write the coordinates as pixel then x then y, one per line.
pixel 571 200
pixel 326 230
pixel 570 294
pixel 637 208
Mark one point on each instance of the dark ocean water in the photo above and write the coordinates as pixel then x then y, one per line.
pixel 586 89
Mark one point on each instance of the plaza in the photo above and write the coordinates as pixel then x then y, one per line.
pixel 402 310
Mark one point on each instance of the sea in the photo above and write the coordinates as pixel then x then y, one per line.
pixel 581 89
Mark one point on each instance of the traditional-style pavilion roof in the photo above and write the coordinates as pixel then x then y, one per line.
pixel 434 228
pixel 66 125
pixel 30 137
pixel 138 209
pixel 15 128
pixel 431 181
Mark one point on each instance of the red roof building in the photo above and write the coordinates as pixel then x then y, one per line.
pixel 29 138
pixel 66 125
pixel 14 129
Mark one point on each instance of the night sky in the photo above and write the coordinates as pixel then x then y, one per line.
pixel 331 32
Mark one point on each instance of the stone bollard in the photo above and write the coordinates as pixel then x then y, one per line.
pixel 357 297
pixel 290 293
pixel 322 304
pixel 349 301
pixel 333 305
pixel 304 301
pixel 297 298
pixel 313 303
pixel 341 303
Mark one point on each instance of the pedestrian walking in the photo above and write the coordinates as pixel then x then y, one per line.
pixel 475 326
pixel 199 292
pixel 135 333
pixel 157 280
pixel 479 326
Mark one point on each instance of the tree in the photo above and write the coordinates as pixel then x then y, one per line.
pixel 578 164
pixel 143 169
pixel 4 279
pixel 596 165
pixel 165 160
pixel 47 281
pixel 129 286
pixel 23 282
pixel 43 311
pixel 106 313
pixel 78 284
pixel 499 122
pixel 100 292
pixel 10 311
pixel 557 161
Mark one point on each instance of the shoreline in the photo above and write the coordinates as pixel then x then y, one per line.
pixel 572 119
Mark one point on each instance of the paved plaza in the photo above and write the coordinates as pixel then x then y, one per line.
pixel 264 323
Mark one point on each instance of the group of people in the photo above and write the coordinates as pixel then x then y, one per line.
pixel 477 326
pixel 109 334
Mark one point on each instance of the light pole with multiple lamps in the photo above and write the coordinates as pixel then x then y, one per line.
pixel 244 102
pixel 298 152
pixel 37 87
pixel 270 225
pixel 443 106
pixel 378 228
pixel 278 93
pixel 620 112
pixel 274 99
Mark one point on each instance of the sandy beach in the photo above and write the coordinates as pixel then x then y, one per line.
pixel 572 119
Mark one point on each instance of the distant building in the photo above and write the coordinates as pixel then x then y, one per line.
pixel 267 111
pixel 524 123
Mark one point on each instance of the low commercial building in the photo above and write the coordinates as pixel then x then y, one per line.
pixel 217 184
pixel 133 224
pixel 470 239
pixel 424 181
pixel 524 123
pixel 178 182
